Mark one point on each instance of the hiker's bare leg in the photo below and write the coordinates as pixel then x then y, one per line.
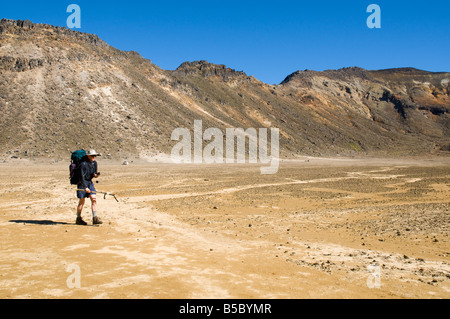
pixel 94 203
pixel 80 206
pixel 95 219
pixel 79 220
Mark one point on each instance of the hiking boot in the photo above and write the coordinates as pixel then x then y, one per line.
pixel 80 221
pixel 96 221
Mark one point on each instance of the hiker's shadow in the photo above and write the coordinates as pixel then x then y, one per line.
pixel 39 222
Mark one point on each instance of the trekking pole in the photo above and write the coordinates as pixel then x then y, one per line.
pixel 103 193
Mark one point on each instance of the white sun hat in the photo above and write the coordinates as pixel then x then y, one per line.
pixel 93 153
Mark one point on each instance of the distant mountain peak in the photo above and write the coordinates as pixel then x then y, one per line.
pixel 207 69
pixel 26 27
pixel 343 74
pixel 340 74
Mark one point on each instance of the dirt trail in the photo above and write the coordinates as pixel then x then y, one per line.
pixel 313 230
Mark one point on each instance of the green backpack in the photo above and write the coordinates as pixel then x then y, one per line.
pixel 74 168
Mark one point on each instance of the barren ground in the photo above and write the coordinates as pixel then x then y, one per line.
pixel 317 229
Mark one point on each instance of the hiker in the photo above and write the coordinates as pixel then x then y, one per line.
pixel 89 170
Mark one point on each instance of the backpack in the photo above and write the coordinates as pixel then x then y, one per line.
pixel 74 168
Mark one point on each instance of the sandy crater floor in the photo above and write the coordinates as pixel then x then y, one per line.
pixel 316 229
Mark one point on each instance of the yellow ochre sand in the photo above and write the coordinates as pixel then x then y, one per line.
pixel 317 229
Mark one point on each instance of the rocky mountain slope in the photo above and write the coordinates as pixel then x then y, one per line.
pixel 61 90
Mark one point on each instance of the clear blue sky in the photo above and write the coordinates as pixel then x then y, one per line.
pixel 266 39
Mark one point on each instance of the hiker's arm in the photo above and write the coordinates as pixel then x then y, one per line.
pixel 96 173
pixel 83 182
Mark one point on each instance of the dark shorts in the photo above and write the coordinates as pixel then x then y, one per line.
pixel 81 194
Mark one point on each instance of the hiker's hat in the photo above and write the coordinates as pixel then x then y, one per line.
pixel 93 153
